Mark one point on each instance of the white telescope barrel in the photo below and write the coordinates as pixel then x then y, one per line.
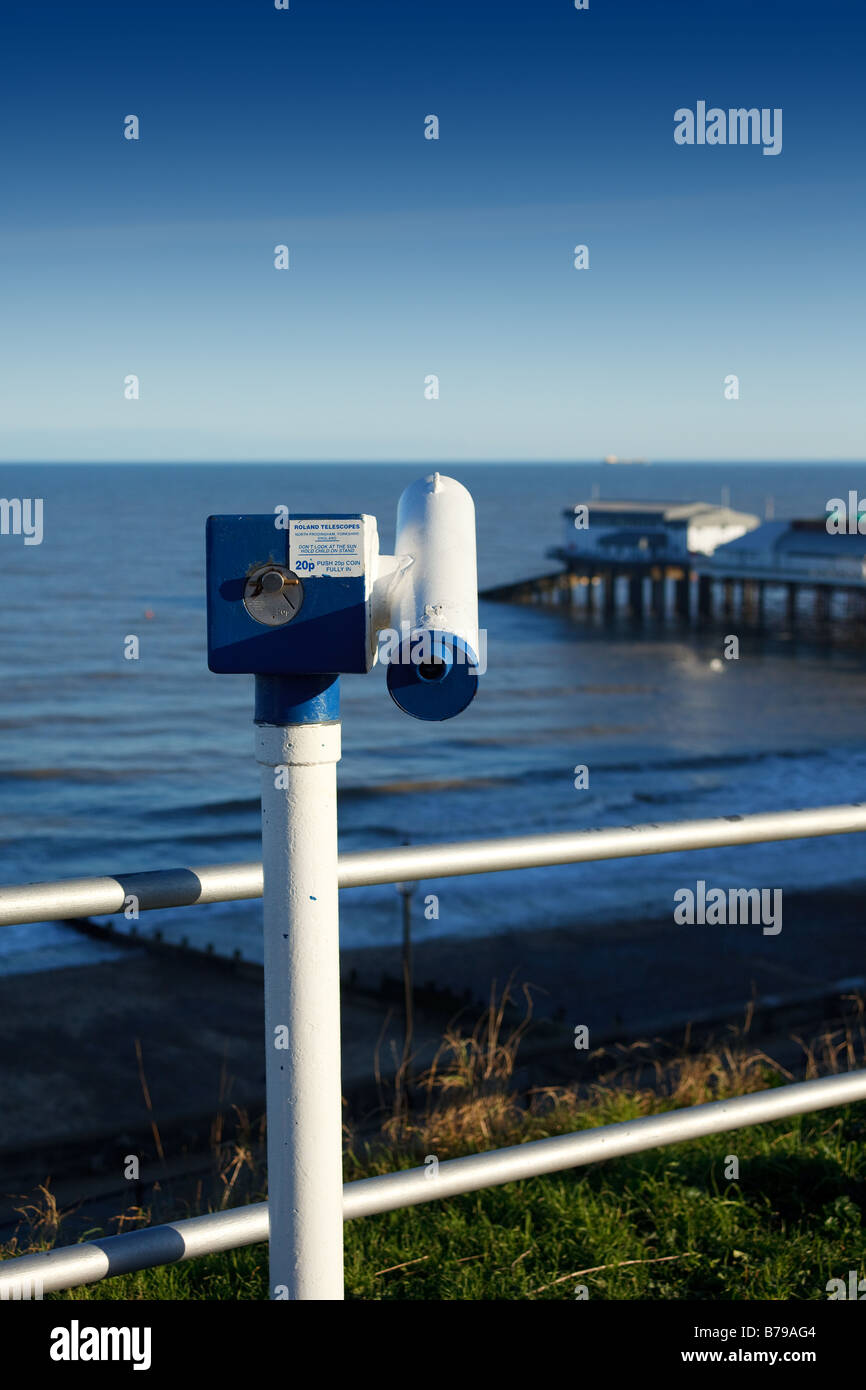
pixel 433 668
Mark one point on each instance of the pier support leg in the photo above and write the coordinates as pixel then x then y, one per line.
pixel 610 594
pixel 683 596
pixel 635 595
pixel 705 596
pixel 658 597
pixel 749 599
pixel 791 605
pixel 823 595
pixel 728 605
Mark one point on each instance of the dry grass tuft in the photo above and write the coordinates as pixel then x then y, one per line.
pixel 467 1095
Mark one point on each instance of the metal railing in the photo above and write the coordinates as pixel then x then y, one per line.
pixel 91 1261
pixel 213 883
pixel 53 1270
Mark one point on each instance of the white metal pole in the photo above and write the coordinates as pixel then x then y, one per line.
pixel 302 1008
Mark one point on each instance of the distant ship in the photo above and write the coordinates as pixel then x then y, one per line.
pixel 612 458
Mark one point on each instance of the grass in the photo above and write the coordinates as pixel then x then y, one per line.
pixel 665 1224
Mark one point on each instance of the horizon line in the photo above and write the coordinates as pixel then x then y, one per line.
pixel 432 462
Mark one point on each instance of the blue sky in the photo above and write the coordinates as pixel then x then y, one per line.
pixel 411 257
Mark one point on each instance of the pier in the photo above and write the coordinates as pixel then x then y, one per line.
pixel 663 561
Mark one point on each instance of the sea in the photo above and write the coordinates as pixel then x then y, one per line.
pixel 115 765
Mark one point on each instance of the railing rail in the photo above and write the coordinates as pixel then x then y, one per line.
pixel 71 1266
pixel 211 883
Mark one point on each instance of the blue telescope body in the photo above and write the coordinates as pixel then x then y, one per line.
pixel 306 594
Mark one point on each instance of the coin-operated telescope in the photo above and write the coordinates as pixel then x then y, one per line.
pixel 299 599
pixel 310 595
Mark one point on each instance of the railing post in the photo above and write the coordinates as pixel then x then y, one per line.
pixel 298 747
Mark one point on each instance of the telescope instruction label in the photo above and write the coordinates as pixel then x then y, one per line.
pixel 326 546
